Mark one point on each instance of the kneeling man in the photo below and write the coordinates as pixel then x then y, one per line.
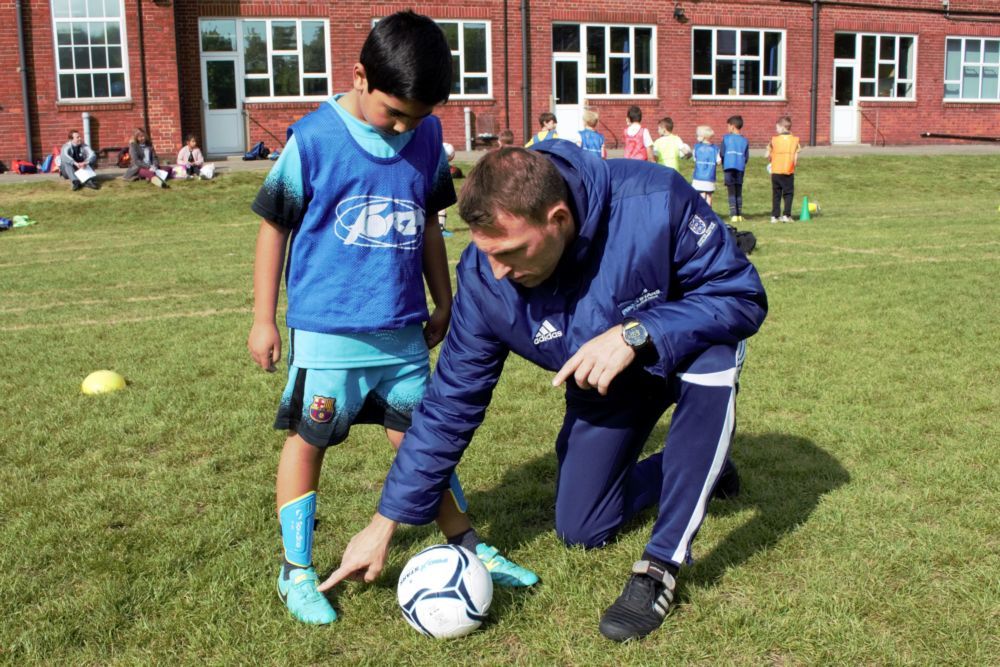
pixel 618 277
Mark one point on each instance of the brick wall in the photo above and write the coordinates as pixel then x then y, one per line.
pixel 111 123
pixel 174 79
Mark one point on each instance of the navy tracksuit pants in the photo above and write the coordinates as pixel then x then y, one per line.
pixel 601 483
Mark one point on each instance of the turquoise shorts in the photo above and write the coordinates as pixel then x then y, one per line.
pixel 322 405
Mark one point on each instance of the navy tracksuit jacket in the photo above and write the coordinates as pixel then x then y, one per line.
pixel 647 247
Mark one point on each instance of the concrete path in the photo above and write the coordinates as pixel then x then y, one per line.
pixel 235 164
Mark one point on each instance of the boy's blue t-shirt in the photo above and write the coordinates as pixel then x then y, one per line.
pixel 591 141
pixel 705 159
pixel 735 151
pixel 379 288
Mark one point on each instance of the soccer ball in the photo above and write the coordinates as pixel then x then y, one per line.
pixel 445 591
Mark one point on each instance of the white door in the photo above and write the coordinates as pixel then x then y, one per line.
pixel 222 105
pixel 845 119
pixel 567 83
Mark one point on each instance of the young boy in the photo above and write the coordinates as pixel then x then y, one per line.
pixel 591 140
pixel 783 155
pixel 735 155
pixel 638 143
pixel 506 138
pixel 669 148
pixel 352 189
pixel 706 158
pixel 547 120
pixel 453 172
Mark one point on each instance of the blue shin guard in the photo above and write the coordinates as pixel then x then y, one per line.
pixel 297 520
pixel 458 494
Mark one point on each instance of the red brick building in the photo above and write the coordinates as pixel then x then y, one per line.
pixel 237 71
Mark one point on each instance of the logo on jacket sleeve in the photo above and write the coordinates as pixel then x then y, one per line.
pixel 321 409
pixel 701 228
pixel 547 332
pixel 379 222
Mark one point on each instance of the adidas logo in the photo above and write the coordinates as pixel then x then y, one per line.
pixel 547 332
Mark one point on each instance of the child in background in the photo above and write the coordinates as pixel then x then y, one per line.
pixel 547 120
pixel 190 157
pixel 591 140
pixel 735 155
pixel 783 156
pixel 454 172
pixel 506 138
pixel 358 345
pixel 669 148
pixel 706 157
pixel 638 143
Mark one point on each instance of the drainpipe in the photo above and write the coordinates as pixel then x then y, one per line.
pixel 525 72
pixel 814 97
pixel 506 65
pixel 142 73
pixel 23 66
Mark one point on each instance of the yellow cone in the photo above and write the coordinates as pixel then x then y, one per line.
pixel 102 382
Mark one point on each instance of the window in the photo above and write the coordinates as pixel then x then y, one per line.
pixel 620 59
pixel 727 62
pixel 90 50
pixel 971 69
pixel 470 57
pixel 886 62
pixel 282 58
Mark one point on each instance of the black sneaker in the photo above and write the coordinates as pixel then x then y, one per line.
pixel 643 604
pixel 76 185
pixel 728 485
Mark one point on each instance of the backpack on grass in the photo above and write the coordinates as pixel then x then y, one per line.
pixel 257 152
pixel 745 241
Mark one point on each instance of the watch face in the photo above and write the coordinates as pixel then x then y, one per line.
pixel 635 334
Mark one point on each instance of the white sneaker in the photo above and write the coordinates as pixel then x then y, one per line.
pixel 774 220
pixel 785 218
pixel 157 181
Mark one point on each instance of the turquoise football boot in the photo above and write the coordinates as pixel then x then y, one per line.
pixel 299 594
pixel 504 572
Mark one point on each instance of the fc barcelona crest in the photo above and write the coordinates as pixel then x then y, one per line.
pixel 321 409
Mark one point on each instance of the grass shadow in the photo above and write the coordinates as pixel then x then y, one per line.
pixel 784 476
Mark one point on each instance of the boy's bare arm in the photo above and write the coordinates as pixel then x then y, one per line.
pixel 264 341
pixel 438 282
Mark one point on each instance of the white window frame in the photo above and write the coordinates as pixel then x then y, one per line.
pixel 960 99
pixel 240 55
pixel 608 54
pixel 737 57
pixel 124 69
pixel 879 60
pixel 460 52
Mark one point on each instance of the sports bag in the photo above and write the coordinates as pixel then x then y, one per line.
pixel 745 241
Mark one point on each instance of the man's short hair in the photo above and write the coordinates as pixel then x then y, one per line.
pixel 634 114
pixel 668 123
pixel 545 117
pixel 69 135
pixel 514 181
pixel 735 121
pixel 407 56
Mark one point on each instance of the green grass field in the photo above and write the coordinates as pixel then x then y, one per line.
pixel 138 528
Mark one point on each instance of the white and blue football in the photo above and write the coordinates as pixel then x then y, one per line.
pixel 445 591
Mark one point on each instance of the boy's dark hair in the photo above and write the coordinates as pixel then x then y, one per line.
pixel 512 180
pixel 735 121
pixel 634 114
pixel 407 56
pixel 190 138
pixel 506 138
pixel 668 123
pixel 69 135
pixel 545 117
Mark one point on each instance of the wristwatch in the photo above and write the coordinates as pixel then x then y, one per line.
pixel 635 334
